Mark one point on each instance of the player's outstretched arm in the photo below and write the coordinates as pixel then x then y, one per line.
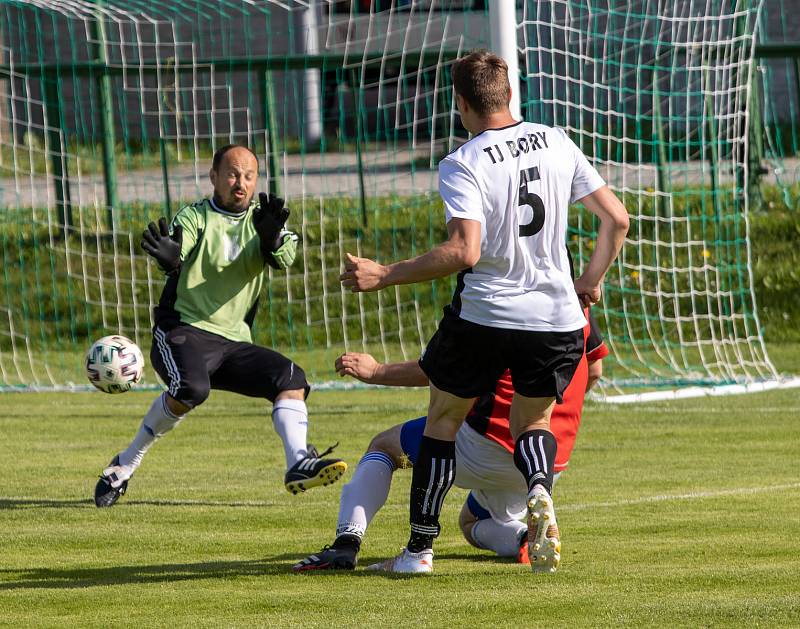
pixel 610 236
pixel 365 368
pixel 461 250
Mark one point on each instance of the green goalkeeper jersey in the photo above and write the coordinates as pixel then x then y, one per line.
pixel 221 274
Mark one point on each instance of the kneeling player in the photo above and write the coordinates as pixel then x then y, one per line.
pixel 490 517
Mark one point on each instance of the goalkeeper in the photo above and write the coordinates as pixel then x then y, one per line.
pixel 215 258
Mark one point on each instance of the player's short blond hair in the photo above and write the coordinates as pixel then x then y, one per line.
pixel 481 79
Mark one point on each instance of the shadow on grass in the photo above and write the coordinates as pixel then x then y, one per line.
pixel 66 578
pixel 33 503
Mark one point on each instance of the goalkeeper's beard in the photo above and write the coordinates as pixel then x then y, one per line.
pixel 232 204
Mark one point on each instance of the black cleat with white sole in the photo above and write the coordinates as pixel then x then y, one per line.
pixel 329 559
pixel 313 470
pixel 105 495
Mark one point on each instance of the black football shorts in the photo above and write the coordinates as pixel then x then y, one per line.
pixel 466 359
pixel 192 361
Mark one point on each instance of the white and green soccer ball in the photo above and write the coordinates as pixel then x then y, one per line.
pixel 114 364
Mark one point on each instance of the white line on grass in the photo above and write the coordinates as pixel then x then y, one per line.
pixel 694 495
pixel 702 410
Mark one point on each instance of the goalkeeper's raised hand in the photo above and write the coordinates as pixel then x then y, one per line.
pixel 278 246
pixel 165 248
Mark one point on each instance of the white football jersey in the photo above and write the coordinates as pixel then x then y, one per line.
pixel 518 182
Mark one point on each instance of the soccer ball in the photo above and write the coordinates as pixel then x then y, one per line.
pixel 114 364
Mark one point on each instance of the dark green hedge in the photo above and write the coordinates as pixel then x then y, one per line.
pixel 43 276
pixel 775 237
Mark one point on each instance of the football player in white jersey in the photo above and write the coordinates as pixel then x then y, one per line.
pixel 506 194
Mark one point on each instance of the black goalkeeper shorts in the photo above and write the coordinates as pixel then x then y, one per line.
pixel 466 359
pixel 192 361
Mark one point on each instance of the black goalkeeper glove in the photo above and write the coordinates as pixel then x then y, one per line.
pixel 269 218
pixel 165 248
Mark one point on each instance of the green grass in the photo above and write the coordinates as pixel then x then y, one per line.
pixel 673 514
pixel 785 357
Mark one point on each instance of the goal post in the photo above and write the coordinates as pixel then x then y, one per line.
pixel 503 41
pixel 350 108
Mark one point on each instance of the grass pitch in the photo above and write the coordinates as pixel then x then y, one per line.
pixel 672 514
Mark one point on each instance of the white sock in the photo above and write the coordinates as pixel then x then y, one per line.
pixel 501 537
pixel 365 494
pixel 158 421
pixel 290 419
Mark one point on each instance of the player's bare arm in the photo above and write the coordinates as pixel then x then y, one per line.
pixel 595 373
pixel 610 236
pixel 365 368
pixel 460 251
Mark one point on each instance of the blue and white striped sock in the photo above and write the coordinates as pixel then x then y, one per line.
pixel 365 494
pixel 158 421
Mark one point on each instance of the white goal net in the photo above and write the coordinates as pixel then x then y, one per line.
pixel 114 109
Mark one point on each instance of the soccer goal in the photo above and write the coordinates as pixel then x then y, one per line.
pixel 113 109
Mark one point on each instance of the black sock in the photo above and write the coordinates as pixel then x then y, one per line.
pixel 347 542
pixel 535 456
pixel 432 478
